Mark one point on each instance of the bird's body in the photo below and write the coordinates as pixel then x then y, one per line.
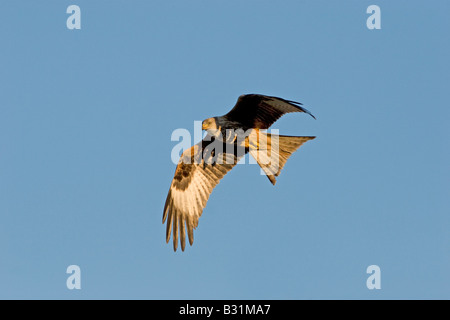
pixel 229 138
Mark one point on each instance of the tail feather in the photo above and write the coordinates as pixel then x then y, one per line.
pixel 272 151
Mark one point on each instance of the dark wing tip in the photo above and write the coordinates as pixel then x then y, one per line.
pixel 298 105
pixel 306 111
pixel 293 102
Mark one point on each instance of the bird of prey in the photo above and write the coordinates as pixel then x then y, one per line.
pixel 228 139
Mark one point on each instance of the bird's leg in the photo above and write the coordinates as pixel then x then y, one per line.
pixel 213 156
pixel 209 157
pixel 252 141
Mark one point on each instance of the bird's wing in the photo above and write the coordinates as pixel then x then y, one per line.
pixel 260 112
pixel 192 185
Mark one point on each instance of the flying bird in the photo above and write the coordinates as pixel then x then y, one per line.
pixel 228 139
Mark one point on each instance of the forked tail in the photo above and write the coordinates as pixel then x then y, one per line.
pixel 271 151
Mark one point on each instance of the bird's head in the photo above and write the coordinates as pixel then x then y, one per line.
pixel 209 124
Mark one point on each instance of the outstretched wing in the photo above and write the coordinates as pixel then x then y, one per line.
pixel 260 112
pixel 194 180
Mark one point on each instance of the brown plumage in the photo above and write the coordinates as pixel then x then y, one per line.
pixel 260 112
pixel 201 167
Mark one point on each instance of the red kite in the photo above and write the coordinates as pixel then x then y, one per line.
pixel 201 167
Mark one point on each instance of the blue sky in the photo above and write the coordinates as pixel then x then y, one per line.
pixel 86 118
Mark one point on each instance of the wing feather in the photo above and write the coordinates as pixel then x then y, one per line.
pixel 181 219
pixel 169 221
pixel 260 112
pixel 175 229
pixel 190 228
pixel 191 187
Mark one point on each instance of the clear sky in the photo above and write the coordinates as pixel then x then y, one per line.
pixel 86 118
